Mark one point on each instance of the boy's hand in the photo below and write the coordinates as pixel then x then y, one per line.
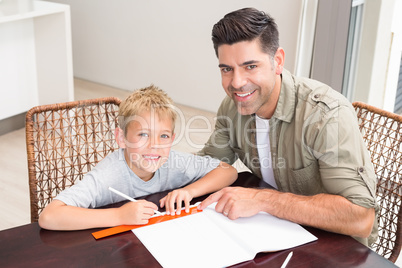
pixel 137 212
pixel 176 196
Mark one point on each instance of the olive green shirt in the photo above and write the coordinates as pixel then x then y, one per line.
pixel 316 145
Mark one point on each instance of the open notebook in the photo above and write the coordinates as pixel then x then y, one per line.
pixel 209 239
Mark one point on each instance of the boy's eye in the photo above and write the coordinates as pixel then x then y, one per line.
pixel 251 67
pixel 165 136
pixel 143 135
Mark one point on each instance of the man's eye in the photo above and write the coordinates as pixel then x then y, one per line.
pixel 251 66
pixel 226 69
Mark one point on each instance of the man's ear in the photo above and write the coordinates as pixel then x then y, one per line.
pixel 119 136
pixel 279 60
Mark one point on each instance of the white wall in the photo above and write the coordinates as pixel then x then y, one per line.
pixel 131 44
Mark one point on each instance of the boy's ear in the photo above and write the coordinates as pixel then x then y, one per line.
pixel 119 136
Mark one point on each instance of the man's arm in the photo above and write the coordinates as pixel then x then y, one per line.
pixel 324 211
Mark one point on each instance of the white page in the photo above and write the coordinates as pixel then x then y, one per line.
pixel 262 232
pixel 190 241
pixel 209 239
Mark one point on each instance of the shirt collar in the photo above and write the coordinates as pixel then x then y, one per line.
pixel 287 98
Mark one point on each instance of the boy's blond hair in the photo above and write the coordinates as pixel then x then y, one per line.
pixel 149 99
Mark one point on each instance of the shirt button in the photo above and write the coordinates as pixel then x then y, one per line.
pixel 316 96
pixel 361 169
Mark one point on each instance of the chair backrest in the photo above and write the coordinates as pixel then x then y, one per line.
pixel 382 133
pixel 65 141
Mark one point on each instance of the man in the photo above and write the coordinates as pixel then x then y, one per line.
pixel 311 150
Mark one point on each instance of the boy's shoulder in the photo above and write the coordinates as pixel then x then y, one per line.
pixel 182 159
pixel 112 161
pixel 179 155
pixel 175 153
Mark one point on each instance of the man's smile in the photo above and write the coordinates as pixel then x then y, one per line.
pixel 240 96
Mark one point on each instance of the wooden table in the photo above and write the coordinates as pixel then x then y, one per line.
pixel 31 246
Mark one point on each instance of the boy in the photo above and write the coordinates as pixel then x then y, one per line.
pixel 144 164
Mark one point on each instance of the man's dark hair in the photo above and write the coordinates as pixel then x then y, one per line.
pixel 247 24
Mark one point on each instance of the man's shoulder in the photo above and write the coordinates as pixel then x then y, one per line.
pixel 318 94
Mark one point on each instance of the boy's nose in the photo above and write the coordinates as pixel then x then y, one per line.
pixel 154 142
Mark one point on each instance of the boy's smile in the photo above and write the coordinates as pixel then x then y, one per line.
pixel 147 143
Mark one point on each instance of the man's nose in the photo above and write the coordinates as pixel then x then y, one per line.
pixel 238 80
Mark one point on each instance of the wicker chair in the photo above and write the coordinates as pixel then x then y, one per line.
pixel 382 133
pixel 64 141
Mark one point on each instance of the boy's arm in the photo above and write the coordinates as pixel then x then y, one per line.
pixel 59 216
pixel 222 176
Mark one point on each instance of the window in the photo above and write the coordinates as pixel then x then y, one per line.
pixel 398 100
pixel 355 26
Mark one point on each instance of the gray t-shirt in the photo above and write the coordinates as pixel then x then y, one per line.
pixel 92 191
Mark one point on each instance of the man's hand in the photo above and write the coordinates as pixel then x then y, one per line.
pixel 234 202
